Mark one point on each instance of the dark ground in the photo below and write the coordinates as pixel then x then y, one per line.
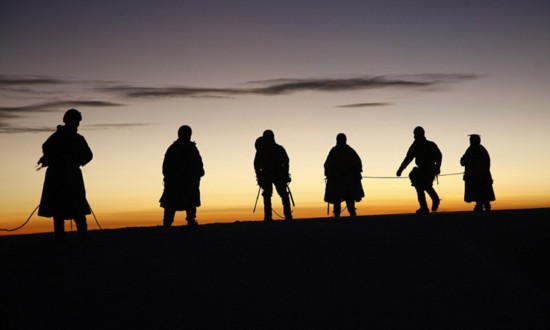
pixel 455 270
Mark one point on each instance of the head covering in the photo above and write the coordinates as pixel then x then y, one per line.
pixel 184 132
pixel 475 139
pixel 268 136
pixel 72 116
pixel 419 130
pixel 341 139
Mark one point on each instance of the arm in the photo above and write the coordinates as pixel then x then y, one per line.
pixel 408 159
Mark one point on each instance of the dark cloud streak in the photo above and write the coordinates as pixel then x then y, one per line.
pixel 365 105
pixel 288 86
pixel 12 112
pixel 18 80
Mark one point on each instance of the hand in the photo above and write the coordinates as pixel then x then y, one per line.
pixel 437 170
pixel 399 171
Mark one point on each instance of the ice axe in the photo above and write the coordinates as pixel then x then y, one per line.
pixel 258 196
pixel 290 194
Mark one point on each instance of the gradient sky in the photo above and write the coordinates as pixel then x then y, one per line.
pixel 308 70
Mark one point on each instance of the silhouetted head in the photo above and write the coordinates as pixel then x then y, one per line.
pixel 475 139
pixel 268 136
pixel 419 133
pixel 341 139
pixel 72 117
pixel 184 132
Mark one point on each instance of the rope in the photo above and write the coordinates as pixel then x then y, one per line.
pixel 36 208
pixel 400 177
pixel 23 225
pixel 277 214
pixel 95 218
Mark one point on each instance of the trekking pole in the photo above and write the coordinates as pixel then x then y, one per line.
pixel 258 196
pixel 290 193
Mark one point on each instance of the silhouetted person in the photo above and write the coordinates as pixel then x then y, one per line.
pixel 343 169
pixel 271 164
pixel 182 169
pixel 428 164
pixel 478 181
pixel 64 194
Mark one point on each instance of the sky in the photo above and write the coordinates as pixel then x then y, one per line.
pixel 308 70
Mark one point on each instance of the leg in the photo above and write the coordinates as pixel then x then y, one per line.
pixel 478 207
pixel 435 198
pixel 350 204
pixel 59 228
pixel 422 201
pixel 169 215
pixel 191 215
pixel 268 192
pixel 281 190
pixel 487 205
pixel 337 210
pixel 82 227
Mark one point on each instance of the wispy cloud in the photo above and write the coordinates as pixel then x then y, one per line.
pixel 119 125
pixel 21 80
pixel 365 105
pixel 9 129
pixel 12 112
pixel 7 113
pixel 88 93
pixel 286 86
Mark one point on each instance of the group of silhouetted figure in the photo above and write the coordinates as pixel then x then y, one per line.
pixel 65 151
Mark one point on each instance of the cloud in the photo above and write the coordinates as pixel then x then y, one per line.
pixel 9 129
pixel 118 125
pixel 160 92
pixel 364 105
pixel 19 80
pixel 287 86
pixel 25 87
pixel 7 113
pixel 14 112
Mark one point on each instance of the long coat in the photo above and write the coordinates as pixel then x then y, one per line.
pixel 64 194
pixel 343 169
pixel 478 181
pixel 182 169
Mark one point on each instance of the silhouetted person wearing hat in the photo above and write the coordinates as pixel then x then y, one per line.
pixel 182 169
pixel 271 164
pixel 478 181
pixel 428 164
pixel 343 169
pixel 64 194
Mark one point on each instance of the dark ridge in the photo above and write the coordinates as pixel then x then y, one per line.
pixel 456 270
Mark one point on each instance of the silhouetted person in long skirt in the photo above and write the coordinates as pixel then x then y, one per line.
pixel 343 169
pixel 428 164
pixel 271 164
pixel 182 169
pixel 478 181
pixel 64 194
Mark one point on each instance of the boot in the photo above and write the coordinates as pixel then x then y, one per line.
pixel 337 210
pixel 267 209
pixel 82 227
pixel 422 201
pixel 168 219
pixel 59 229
